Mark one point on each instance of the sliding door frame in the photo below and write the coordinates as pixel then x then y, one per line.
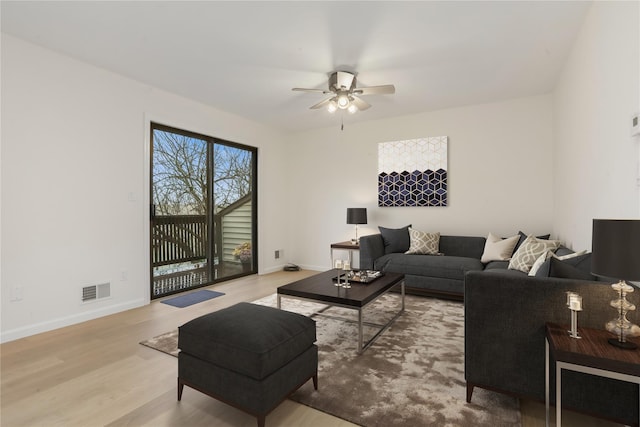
pixel 152 126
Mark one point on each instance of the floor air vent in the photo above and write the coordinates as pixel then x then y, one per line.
pixel 91 293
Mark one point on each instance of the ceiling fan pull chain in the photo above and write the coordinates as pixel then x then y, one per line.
pixel 341 122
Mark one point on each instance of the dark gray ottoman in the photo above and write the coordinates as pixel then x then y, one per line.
pixel 249 356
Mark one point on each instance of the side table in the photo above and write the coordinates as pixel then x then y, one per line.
pixel 349 246
pixel 591 354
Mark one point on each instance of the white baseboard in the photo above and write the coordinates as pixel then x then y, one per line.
pixel 314 267
pixel 302 267
pixel 271 269
pixel 49 325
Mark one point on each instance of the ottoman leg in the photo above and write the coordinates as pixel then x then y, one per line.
pixel 180 388
pixel 315 381
pixel 261 420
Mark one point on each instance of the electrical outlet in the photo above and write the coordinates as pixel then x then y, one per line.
pixel 17 293
pixel 277 254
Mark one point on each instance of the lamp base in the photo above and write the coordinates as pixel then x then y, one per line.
pixel 626 345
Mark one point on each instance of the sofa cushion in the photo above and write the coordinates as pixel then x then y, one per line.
pixel 498 249
pixel 530 251
pixel 250 339
pixel 422 243
pixel 448 267
pixel 396 240
pixel 462 246
pixel 497 265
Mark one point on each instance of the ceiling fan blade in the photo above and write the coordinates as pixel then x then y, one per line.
pixel 375 90
pixel 344 79
pixel 362 105
pixel 320 104
pixel 301 89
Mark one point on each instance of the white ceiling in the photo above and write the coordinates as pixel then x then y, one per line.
pixel 244 57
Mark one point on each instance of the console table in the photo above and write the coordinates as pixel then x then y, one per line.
pixel 349 246
pixel 591 354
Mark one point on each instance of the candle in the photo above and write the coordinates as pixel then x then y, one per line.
pixel 575 303
pixel 347 265
pixel 338 263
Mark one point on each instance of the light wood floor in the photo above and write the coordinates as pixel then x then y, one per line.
pixel 97 374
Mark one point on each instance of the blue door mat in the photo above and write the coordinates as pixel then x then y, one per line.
pixel 192 298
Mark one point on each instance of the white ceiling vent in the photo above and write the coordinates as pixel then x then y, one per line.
pixel 95 292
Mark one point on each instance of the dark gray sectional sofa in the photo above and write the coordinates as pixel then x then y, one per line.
pixel 505 315
pixel 439 275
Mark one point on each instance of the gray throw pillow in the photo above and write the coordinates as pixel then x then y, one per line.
pixel 581 262
pixel 396 240
pixel 563 270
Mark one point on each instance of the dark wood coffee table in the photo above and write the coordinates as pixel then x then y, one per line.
pixel 321 288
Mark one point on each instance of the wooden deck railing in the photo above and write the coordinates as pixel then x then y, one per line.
pixel 179 238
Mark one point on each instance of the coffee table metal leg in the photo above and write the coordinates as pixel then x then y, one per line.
pixel 279 303
pixel 362 346
pixel 360 335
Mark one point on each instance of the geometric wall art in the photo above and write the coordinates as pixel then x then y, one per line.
pixel 413 172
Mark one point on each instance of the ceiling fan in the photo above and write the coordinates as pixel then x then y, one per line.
pixel 342 85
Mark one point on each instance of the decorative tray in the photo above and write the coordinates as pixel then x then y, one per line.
pixel 360 276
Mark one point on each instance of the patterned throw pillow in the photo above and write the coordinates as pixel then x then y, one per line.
pixel 423 243
pixel 530 250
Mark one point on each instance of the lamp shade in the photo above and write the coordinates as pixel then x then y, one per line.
pixel 616 248
pixel 356 215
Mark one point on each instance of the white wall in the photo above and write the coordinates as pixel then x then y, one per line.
pixel 500 175
pixel 75 185
pixel 595 158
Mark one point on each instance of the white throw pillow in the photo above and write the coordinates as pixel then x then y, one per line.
pixel 423 243
pixel 569 256
pixel 498 249
pixel 529 251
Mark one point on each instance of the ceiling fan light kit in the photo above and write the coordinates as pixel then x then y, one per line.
pixel 342 85
pixel 343 101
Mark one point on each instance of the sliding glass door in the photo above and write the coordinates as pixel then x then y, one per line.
pixel 203 210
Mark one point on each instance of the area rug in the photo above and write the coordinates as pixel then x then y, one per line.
pixel 413 375
pixel 192 298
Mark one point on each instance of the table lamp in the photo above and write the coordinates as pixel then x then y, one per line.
pixel 616 254
pixel 356 216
